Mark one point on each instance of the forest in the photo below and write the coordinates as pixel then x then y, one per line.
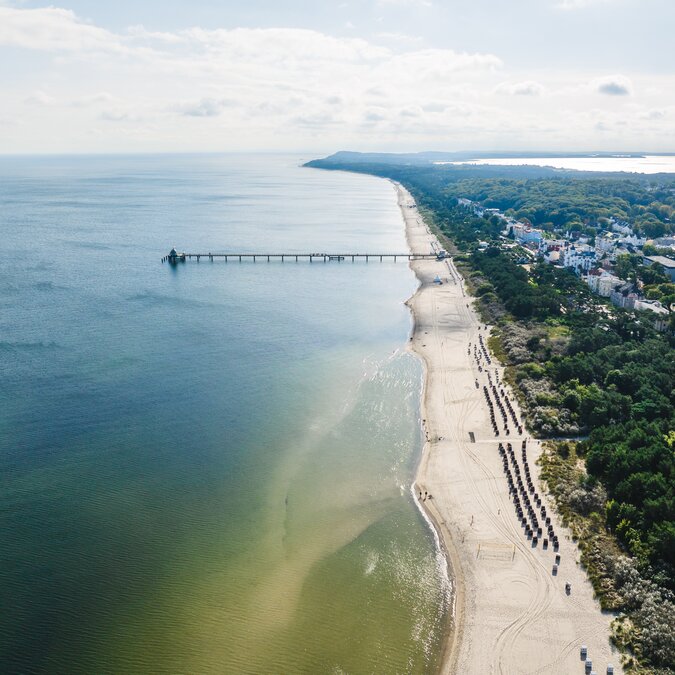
pixel 573 203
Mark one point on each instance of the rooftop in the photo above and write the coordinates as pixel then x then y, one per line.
pixel 661 260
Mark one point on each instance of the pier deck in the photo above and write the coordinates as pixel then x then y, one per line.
pixel 297 257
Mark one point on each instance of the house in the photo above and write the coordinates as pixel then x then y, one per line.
pixel 580 258
pixel 623 296
pixel 602 283
pixel 605 243
pixel 621 226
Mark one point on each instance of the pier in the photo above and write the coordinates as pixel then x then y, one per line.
pixel 175 257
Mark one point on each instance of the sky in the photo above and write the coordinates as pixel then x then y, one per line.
pixel 79 76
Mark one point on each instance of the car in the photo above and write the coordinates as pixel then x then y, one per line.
pixel 584 652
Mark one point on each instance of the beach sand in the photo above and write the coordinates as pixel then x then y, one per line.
pixel 511 614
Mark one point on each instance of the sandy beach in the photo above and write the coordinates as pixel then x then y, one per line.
pixel 512 612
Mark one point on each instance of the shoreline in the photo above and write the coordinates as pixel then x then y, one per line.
pixel 506 603
pixel 453 621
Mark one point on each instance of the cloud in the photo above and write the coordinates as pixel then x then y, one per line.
pixel 412 111
pixel 40 98
pixel 275 88
pixel 205 107
pixel 101 97
pixel 613 85
pixel 435 107
pixel 54 29
pixel 139 32
pixel 115 115
pixel 654 114
pixel 526 88
pixel 375 115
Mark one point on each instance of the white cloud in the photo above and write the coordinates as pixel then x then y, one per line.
pixel 141 33
pixel 613 85
pixel 53 29
pixel 526 88
pixel 100 98
pixel 115 115
pixel 205 107
pixel 41 98
pixel 655 114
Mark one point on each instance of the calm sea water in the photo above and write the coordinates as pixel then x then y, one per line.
pixel 206 468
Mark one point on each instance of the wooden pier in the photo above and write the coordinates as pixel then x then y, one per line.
pixel 175 257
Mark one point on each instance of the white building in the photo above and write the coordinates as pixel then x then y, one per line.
pixel 525 234
pixel 579 258
pixel 605 243
pixel 621 226
pixel 602 282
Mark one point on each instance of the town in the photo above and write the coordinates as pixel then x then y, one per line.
pixel 607 262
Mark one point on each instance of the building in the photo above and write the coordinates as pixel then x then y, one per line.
pixel 661 314
pixel 651 306
pixel 667 264
pixel 579 258
pixel 602 283
pixel 605 243
pixel 592 279
pixel 525 234
pixel 621 226
pixel 623 296
pixel 664 242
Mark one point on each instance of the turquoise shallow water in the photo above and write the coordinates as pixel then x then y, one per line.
pixel 206 468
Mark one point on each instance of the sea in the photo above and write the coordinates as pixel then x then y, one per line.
pixel 207 467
